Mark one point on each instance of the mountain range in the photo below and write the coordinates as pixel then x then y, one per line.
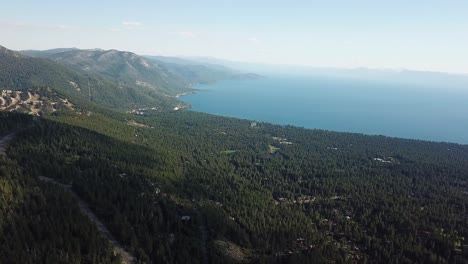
pixel 103 170
pixel 108 78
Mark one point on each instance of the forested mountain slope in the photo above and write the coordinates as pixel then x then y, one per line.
pixel 267 194
pixel 125 68
pixel 169 77
pixel 22 73
pixel 40 223
pixel 186 187
pixel 117 79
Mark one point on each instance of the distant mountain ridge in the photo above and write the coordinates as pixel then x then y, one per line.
pixel 412 77
pixel 146 71
pixel 109 78
pixel 22 73
pixel 45 53
pixel 125 68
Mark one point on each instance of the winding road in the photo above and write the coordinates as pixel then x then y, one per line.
pixel 127 258
pixel 204 238
pixel 4 143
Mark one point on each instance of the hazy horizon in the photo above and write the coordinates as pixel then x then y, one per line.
pixel 429 36
pixel 222 61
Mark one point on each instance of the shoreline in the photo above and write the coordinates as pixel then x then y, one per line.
pixel 186 93
pixel 184 105
pixel 227 99
pixel 189 107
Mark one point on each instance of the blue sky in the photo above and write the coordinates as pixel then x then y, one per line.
pixel 422 35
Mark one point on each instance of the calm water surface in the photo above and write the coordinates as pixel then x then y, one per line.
pixel 370 107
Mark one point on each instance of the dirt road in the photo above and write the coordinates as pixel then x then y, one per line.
pixel 4 143
pixel 126 257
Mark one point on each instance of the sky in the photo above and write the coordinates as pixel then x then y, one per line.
pixel 429 35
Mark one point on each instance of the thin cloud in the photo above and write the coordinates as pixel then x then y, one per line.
pixel 62 27
pixel 39 26
pixel 132 24
pixel 187 34
pixel 255 41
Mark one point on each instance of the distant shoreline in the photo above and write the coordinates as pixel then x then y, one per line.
pixel 318 107
pixel 186 93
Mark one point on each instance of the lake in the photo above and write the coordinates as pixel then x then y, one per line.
pixel 348 105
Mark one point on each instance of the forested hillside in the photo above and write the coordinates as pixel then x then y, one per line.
pixel 186 187
pixel 22 73
pixel 117 79
pixel 41 223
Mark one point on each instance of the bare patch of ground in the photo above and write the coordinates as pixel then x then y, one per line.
pixel 68 104
pixel 75 85
pixel 136 124
pixel 272 149
pixel 34 104
pixel 144 84
pixel 232 250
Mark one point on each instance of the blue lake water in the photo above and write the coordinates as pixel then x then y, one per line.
pixel 349 105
